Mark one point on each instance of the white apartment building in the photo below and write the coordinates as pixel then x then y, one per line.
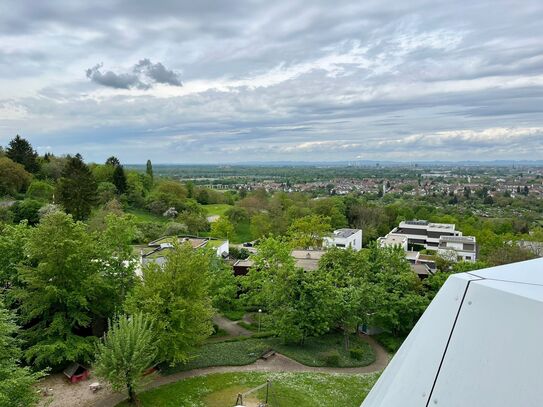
pixel 424 233
pixel 344 238
pixel 458 247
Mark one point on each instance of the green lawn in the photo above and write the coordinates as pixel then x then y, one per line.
pixel 323 350
pixel 145 216
pixel 216 209
pixel 228 353
pixel 287 390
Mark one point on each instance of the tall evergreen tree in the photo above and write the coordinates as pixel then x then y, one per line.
pixel 119 179
pixel 77 189
pixel 113 161
pixel 21 151
pixel 149 169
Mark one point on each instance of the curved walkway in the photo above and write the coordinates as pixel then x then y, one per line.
pixel 231 327
pixel 277 363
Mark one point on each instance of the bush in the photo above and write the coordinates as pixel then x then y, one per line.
pixel 331 358
pixel 388 341
pixel 357 353
pixel 227 353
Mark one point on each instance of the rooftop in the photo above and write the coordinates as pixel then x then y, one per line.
pixel 393 239
pixel 458 239
pixel 344 233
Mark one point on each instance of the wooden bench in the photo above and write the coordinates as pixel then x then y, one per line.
pixel 267 354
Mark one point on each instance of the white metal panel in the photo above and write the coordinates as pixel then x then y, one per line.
pixel 408 379
pixel 530 272
pixel 495 356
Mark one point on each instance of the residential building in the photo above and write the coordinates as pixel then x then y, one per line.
pixel 157 249
pixel 307 259
pixel 344 238
pixel 393 240
pixel 424 233
pixel 458 248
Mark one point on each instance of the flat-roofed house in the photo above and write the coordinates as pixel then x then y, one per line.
pixel 345 238
pixel 424 233
pixel 393 240
pixel 458 247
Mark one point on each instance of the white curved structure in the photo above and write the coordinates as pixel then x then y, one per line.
pixel 479 344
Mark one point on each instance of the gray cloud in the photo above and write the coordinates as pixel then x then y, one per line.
pixel 275 80
pixel 113 80
pixel 157 72
pixel 143 75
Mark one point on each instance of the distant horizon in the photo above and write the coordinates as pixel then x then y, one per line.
pixel 536 163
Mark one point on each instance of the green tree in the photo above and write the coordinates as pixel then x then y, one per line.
pixel 62 294
pixel 117 260
pixel 113 161
pixel 135 189
pixel 260 225
pixel 16 382
pixel 354 297
pixel 41 191
pixel 126 351
pixel 13 177
pixel 119 179
pixel 149 169
pixel 12 239
pixel 222 228
pixel 21 151
pixel 309 231
pixel 299 302
pixel 176 296
pixel 77 189
pixel 165 195
pixel 28 210
pixel 195 222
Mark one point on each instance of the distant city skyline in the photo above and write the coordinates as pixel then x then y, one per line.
pixel 254 81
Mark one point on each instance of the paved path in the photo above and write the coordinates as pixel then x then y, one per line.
pixel 231 327
pixel 277 363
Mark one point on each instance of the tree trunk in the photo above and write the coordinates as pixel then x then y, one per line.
pixel 132 397
pixel 346 338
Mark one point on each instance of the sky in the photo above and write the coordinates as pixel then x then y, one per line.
pixel 204 81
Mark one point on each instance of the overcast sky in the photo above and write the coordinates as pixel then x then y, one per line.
pixel 232 81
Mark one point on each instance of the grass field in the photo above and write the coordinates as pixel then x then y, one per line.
pixel 145 216
pixel 286 390
pixel 216 209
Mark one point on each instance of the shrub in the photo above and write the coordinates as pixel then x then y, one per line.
pixel 331 358
pixel 357 353
pixel 389 342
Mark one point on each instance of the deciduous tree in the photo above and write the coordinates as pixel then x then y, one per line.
pixel 176 296
pixel 127 350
